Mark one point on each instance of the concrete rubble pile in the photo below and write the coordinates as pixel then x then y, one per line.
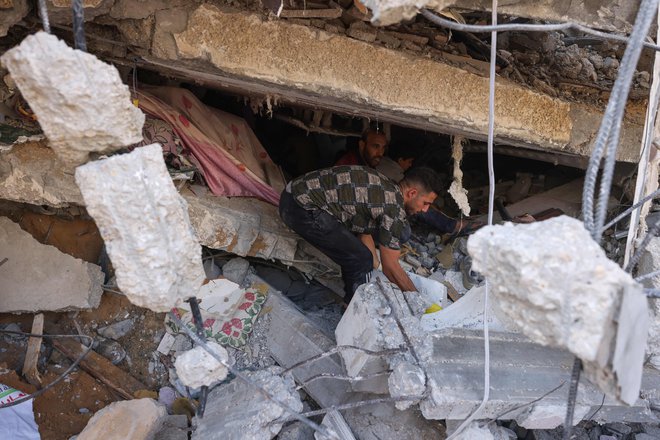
pixel 560 289
pixel 442 369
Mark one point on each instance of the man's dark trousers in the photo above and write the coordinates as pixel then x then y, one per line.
pixel 332 238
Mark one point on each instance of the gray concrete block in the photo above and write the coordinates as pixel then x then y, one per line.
pixel 145 225
pixel 236 411
pixel 38 277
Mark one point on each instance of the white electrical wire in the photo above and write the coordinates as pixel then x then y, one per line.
pixel 491 204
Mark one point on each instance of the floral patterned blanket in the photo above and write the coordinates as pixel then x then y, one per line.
pixel 228 311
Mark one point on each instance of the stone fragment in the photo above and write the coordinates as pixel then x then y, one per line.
pixel 145 226
pixel 361 31
pixel 82 104
pixel 111 350
pixel 388 39
pixel 137 419
pixel 296 431
pixel 59 11
pixel 31 173
pixel 12 15
pixel 198 367
pixel 236 270
pixel 37 277
pixel 560 288
pixel 407 380
pixel 116 330
pixel 650 262
pixel 237 411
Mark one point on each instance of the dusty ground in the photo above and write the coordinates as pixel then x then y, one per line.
pixel 65 409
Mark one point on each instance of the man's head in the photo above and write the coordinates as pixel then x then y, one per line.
pixel 420 187
pixel 372 147
pixel 403 154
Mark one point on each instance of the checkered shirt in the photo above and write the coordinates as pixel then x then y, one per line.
pixel 361 198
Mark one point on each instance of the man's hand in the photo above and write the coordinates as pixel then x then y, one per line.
pixel 368 241
pixel 393 270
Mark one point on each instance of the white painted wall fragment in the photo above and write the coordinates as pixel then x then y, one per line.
pixel 558 286
pixel 145 225
pixel 80 102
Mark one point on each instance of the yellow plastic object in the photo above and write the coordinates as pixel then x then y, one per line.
pixel 136 102
pixel 434 308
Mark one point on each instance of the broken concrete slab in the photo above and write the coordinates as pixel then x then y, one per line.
pixel 292 62
pixel 559 287
pixel 137 419
pixel 197 367
pixel 236 410
pixel 613 15
pixel 236 270
pixel 294 337
pixel 145 225
pixel 14 13
pixel 81 103
pixel 650 262
pixel 56 281
pixel 521 372
pixel 31 173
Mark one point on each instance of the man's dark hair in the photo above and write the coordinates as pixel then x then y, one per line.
pixel 425 178
pixel 373 128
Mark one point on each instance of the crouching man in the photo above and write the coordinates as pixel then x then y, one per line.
pixel 341 210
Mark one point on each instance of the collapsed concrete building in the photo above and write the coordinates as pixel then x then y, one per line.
pixel 291 84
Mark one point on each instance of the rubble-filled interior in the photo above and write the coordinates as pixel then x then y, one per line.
pixel 108 241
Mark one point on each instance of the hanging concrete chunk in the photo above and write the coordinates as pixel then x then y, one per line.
pixel 80 101
pixel 36 277
pixel 145 226
pixel 237 411
pixel 559 287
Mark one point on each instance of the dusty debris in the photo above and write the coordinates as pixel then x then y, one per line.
pixel 102 369
pixel 650 262
pixel 559 287
pixel 197 367
pixel 456 189
pixel 137 419
pixel 74 95
pixel 57 281
pixel 145 227
pixel 236 411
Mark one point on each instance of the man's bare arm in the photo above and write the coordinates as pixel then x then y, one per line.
pixel 393 270
pixel 368 241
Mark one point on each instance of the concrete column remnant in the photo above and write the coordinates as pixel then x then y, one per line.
pixel 559 287
pixel 197 367
pixel 145 225
pixel 80 102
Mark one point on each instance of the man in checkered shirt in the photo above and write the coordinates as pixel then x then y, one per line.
pixel 340 210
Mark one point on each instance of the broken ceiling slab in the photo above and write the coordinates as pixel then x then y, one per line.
pixel 37 277
pixel 352 77
pixel 81 103
pixel 31 173
pixel 241 225
pixel 613 15
pixel 145 226
pixel 556 283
